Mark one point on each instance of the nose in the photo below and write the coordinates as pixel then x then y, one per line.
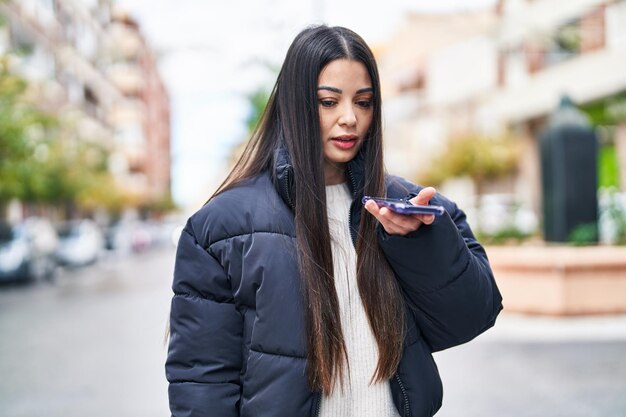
pixel 347 117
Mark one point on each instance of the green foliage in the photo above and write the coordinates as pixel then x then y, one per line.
pixel 568 38
pixel 509 234
pixel 616 213
pixel 258 100
pixel 607 111
pixel 157 207
pixel 42 160
pixel 584 234
pixel 22 129
pixel 479 157
pixel 608 167
pixel 72 169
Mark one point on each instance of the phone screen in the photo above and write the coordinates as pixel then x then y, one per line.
pixel 404 206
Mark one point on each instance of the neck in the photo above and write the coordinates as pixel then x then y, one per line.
pixel 334 174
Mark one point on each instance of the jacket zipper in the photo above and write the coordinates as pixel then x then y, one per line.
pixel 285 185
pixel 407 411
pixel 352 234
pixel 317 401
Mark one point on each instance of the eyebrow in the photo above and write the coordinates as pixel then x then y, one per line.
pixel 339 91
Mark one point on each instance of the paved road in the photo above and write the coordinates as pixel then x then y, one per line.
pixel 535 379
pixel 535 367
pixel 91 345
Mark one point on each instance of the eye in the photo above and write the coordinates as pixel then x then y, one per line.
pixel 327 103
pixel 364 104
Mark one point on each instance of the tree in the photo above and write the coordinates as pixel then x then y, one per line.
pixel 43 160
pixel 22 132
pixel 479 157
pixel 258 100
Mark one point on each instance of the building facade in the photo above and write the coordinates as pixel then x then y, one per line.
pixel 504 70
pixel 90 64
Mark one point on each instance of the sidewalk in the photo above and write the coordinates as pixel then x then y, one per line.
pixel 517 327
pixel 538 367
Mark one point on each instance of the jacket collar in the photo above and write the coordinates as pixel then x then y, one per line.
pixel 284 175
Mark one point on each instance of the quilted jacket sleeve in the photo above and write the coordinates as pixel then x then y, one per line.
pixel 446 278
pixel 204 357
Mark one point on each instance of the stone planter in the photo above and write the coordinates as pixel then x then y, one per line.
pixel 561 280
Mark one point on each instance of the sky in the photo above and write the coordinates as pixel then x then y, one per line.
pixel 213 55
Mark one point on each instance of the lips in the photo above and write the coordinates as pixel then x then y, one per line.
pixel 345 141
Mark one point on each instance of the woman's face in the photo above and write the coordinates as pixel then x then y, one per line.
pixel 345 100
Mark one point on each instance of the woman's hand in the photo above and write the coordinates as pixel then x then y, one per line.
pixel 402 224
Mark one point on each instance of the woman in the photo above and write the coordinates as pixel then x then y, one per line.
pixel 289 299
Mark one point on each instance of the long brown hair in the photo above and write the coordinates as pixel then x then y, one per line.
pixel 291 120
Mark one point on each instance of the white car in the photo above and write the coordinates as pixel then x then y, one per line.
pixel 81 242
pixel 27 250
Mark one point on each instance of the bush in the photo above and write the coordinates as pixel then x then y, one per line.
pixel 479 157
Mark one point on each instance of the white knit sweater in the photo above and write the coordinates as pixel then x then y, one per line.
pixel 355 397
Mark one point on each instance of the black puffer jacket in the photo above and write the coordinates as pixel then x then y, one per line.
pixel 237 345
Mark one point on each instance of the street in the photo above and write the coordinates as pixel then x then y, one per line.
pixel 91 344
pixel 534 379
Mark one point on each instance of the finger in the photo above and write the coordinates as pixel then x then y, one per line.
pixel 385 217
pixel 389 220
pixel 402 221
pixel 372 208
pixel 427 218
pixel 399 223
pixel 424 196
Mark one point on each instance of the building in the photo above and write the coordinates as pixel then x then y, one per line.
pixel 424 71
pixel 143 119
pixel 504 69
pixel 547 49
pixel 94 68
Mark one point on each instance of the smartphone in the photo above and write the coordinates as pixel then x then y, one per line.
pixel 404 206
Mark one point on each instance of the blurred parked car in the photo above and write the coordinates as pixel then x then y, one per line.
pixel 129 235
pixel 27 250
pixel 80 243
